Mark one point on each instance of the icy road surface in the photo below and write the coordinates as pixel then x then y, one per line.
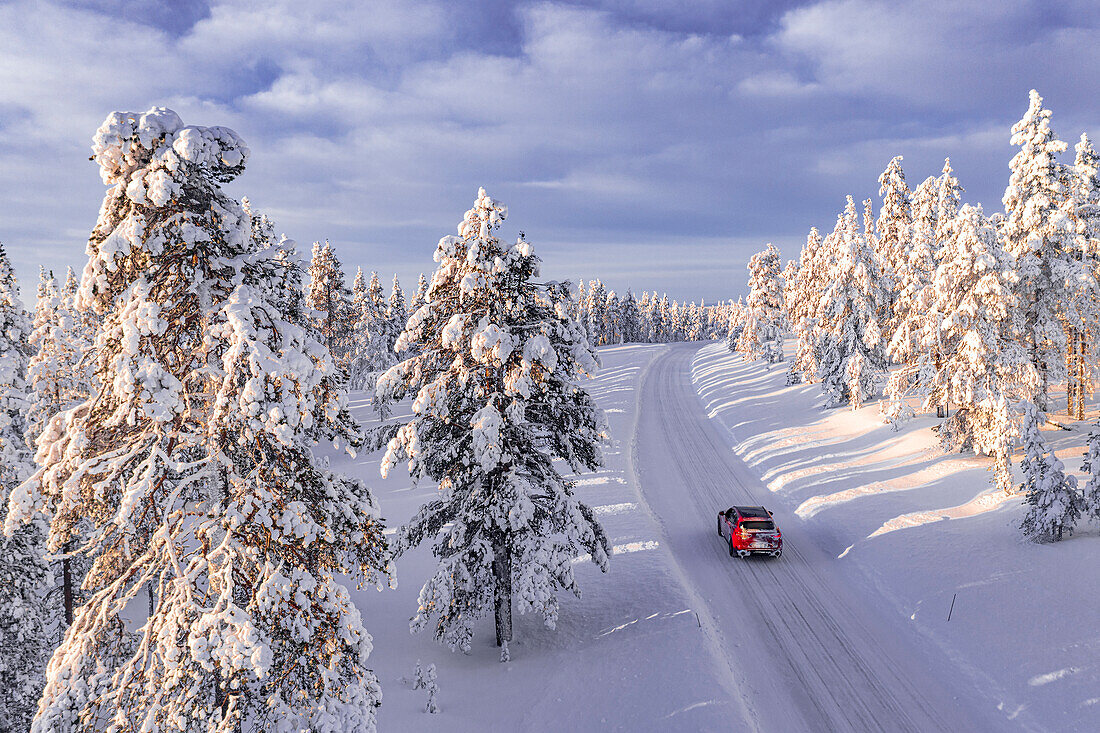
pixel 803 649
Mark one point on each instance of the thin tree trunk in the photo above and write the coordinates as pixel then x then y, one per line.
pixel 1080 401
pixel 502 573
pixel 1071 373
pixel 67 589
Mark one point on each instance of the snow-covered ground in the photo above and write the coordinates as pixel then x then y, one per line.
pixel 911 528
pixel 847 630
pixel 631 654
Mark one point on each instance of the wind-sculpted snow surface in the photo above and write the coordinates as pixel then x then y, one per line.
pixel 913 530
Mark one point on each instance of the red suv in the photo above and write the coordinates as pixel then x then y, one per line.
pixel 750 530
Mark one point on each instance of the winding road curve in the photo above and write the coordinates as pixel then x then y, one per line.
pixel 806 655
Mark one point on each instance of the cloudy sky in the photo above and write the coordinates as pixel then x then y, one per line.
pixel 655 144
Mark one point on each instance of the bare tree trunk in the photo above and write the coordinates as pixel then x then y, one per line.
pixel 67 590
pixel 502 573
pixel 1080 382
pixel 1071 372
pixel 936 365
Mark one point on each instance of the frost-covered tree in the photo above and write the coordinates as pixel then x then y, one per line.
pixel 216 536
pixel 1055 286
pixel 330 299
pixel 27 618
pixel 974 315
pixel 1052 496
pixel 852 361
pixel 763 334
pixel 495 402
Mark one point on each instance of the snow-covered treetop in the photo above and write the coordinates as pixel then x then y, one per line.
pixel 145 151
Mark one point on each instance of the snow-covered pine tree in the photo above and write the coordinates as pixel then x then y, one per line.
pixel 911 308
pixel 614 328
pixel 1051 494
pixel 421 294
pixel 894 229
pixel 216 535
pixel 1038 229
pixel 596 312
pixel 579 306
pixel 975 323
pixel 948 198
pixel 495 402
pixel 629 319
pixel 28 620
pixel 57 381
pixel 735 324
pixel 1091 467
pixel 288 266
pixel 53 373
pixel 396 312
pixel 645 317
pixel 763 334
pixel 852 362
pixel 330 299
pixel 1085 190
pixel 801 296
pixel 662 324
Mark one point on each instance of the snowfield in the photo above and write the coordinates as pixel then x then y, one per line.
pixel 905 528
pixel 631 654
pixel 847 631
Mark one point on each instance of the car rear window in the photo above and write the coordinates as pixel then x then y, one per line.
pixel 757 524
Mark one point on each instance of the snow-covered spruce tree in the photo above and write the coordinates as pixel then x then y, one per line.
pixel 1085 190
pixel 1052 496
pixel 495 402
pixel 629 320
pixel 421 294
pixel 894 229
pixel 53 373
pixel 329 297
pixel 1091 467
pixel 852 361
pixel 975 322
pixel 212 602
pixel 801 296
pixel 28 619
pixel 57 381
pixel 614 328
pixel 735 325
pixel 396 312
pixel 290 275
pixel 596 312
pixel 763 334
pixel 1055 285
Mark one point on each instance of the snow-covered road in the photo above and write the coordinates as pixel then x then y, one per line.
pixel 807 652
